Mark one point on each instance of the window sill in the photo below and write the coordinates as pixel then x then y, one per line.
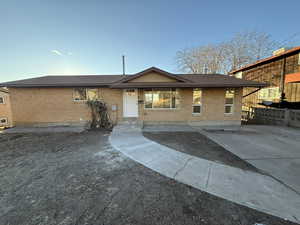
pixel 196 114
pixel 161 109
pixel 79 101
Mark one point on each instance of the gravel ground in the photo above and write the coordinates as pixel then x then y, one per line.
pixel 196 144
pixel 69 179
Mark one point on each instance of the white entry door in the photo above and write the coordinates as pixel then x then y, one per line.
pixel 130 103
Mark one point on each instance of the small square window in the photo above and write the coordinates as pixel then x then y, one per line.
pixel 228 108
pixel 1 100
pixel 197 109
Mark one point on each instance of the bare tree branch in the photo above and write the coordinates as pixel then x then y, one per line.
pixel 242 49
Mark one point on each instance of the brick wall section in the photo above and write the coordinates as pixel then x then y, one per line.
pixel 5 109
pixel 56 105
pixel 270 73
pixel 213 101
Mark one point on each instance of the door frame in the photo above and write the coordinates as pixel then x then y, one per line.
pixel 125 103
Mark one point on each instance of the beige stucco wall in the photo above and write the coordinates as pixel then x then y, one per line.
pixel 5 109
pixel 213 101
pixel 56 105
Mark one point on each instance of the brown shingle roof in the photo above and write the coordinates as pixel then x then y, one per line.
pixel 194 80
pixel 121 81
pixel 156 70
pixel 65 81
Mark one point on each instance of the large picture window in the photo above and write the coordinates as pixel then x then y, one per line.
pixel 229 100
pixel 161 98
pixel 197 100
pixel 84 94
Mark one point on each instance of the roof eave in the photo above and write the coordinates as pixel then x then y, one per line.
pixel 52 85
pixel 188 86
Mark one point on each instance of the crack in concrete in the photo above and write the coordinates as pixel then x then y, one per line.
pixel 208 175
pixel 182 168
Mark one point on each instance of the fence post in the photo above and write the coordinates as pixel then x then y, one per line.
pixel 286 117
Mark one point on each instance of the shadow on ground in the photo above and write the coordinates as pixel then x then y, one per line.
pixel 196 144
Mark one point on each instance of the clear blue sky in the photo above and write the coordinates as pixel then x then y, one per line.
pixel 89 36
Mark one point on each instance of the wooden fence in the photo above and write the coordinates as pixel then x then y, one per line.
pixel 283 117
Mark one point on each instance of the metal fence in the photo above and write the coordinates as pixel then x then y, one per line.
pixel 283 117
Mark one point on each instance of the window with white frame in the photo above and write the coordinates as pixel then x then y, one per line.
pixel 2 100
pixel 83 94
pixel 197 101
pixel 229 101
pixel 161 98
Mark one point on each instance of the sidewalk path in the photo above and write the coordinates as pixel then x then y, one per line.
pixel 243 187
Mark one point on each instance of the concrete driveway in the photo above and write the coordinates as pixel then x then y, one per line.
pixel 251 189
pixel 273 149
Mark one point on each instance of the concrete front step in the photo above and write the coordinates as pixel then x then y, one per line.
pixel 131 122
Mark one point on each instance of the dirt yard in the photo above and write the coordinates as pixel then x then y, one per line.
pixel 196 144
pixel 69 179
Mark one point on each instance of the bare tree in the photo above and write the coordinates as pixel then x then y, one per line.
pixel 242 49
pixel 247 47
pixel 201 59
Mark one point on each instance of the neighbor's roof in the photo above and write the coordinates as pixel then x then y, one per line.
pixel 268 59
pixel 122 81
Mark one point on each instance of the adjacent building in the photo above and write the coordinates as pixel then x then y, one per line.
pixel 282 74
pixel 150 96
pixel 5 109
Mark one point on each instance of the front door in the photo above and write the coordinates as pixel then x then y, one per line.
pixel 130 103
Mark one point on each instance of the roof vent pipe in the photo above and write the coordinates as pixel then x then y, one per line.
pixel 123 62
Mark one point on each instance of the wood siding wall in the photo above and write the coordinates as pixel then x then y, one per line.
pixel 271 73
